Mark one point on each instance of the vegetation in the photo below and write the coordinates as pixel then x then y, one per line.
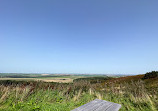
pixel 152 74
pixel 132 92
pixel 93 79
pixel 19 75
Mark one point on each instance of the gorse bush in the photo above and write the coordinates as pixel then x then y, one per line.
pixel 41 96
pixel 152 74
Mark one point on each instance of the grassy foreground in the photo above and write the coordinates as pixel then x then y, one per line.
pixel 133 93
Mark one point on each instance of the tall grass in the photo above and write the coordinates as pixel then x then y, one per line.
pixel 34 96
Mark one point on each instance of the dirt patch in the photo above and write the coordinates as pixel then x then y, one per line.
pixel 45 74
pixel 60 80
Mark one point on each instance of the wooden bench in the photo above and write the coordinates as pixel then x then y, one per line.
pixel 99 105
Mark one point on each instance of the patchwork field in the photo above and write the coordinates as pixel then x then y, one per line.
pixel 61 78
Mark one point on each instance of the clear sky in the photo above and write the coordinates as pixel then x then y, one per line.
pixel 79 36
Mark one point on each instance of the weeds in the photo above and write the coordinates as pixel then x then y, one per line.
pixel 35 96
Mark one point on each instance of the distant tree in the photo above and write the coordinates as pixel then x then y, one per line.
pixel 152 74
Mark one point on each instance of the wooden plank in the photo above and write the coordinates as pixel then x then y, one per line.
pixel 99 105
pixel 93 107
pixel 88 105
pixel 85 106
pixel 114 107
pixel 104 107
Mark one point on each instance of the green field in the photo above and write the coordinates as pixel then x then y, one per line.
pixel 62 78
pixel 134 93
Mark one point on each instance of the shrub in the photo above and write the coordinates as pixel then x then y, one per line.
pixel 152 74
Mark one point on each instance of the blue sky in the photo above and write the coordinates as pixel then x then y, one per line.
pixel 79 36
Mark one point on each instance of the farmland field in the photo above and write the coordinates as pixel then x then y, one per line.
pixel 61 78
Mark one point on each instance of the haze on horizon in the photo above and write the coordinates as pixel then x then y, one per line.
pixel 83 36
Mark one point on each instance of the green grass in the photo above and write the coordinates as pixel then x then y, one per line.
pixel 133 93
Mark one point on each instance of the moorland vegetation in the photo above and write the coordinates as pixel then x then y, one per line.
pixel 134 93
